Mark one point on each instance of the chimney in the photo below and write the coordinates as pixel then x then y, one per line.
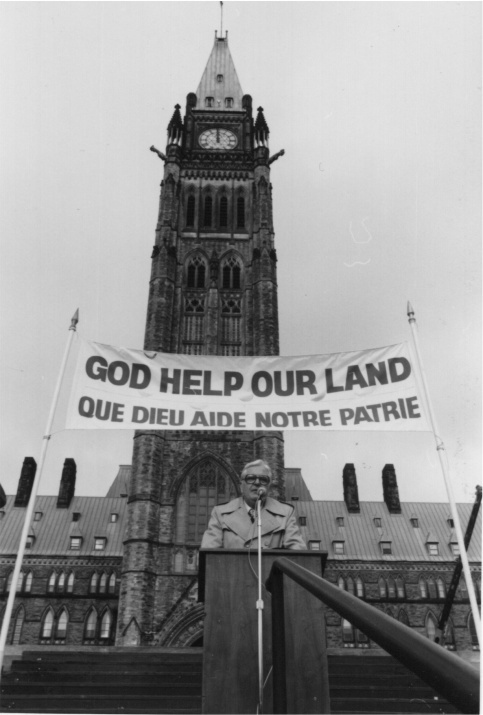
pixel 26 481
pixel 351 493
pixel 67 484
pixel 390 489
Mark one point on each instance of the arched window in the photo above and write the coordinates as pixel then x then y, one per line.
pixel 360 587
pixel 381 584
pixel 231 273
pixel 401 591
pixel 18 624
pixel 190 211
pixel 391 588
pixel 9 581
pixel 51 583
pixel 103 583
pixel 208 212
pixel 179 561
pixel 106 623
pixel 112 583
pixel 402 617
pixel 70 583
pixel 196 273
pixel 93 583
pixel 431 587
pixel 47 625
pixel 61 625
pixel 28 582
pixel 449 641
pixel 90 625
pixel 440 585
pixel 431 626
pixel 350 585
pixel 341 582
pixel 61 582
pixel 240 212
pixel 462 588
pixel 205 486
pixel 223 212
pixel 423 588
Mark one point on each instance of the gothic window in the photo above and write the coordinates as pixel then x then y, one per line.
pixel 90 625
pixel 440 585
pixel 231 326
pixel 350 585
pixel 112 583
pixel 347 633
pixel 204 487
pixel 106 625
pixel 431 626
pixel 231 273
pixel 208 212
pixel 341 582
pixel 93 583
pixel 61 582
pixel 403 617
pixel 47 626
pixel 240 212
pixel 61 625
pixel 103 583
pixel 70 582
pixel 360 587
pixel 51 583
pixel 18 624
pixel 223 212
pixel 423 588
pixel 27 587
pixel 391 588
pixel 190 211
pixel 193 325
pixel 431 587
pixel 401 591
pixel 196 273
pixel 381 584
pixel 229 102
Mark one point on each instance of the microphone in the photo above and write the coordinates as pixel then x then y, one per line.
pixel 261 493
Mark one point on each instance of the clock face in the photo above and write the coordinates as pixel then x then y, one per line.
pixel 218 139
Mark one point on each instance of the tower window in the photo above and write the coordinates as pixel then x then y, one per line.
pixel 190 211
pixel 338 547
pixel 231 274
pixel 114 517
pixel 229 102
pixel 100 543
pixel 208 212
pixel 209 102
pixel 219 78
pixel 415 523
pixel 377 522
pixel 386 547
pixel 240 212
pixel 75 543
pixel 196 274
pixel 433 550
pixel 223 212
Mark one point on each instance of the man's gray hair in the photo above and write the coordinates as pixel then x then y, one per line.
pixel 256 463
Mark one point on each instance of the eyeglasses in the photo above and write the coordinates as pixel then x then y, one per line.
pixel 252 478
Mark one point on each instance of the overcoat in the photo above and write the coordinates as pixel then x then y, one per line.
pixel 230 527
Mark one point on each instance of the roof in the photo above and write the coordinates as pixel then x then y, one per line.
pixel 362 537
pixel 56 526
pixel 295 485
pixel 220 64
pixel 120 485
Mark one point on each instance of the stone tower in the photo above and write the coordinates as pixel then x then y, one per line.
pixel 213 291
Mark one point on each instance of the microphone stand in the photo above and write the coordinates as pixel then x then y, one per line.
pixel 260 607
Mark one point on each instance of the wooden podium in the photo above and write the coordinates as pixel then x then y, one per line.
pixel 229 589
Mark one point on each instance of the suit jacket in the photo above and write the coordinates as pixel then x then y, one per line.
pixel 230 527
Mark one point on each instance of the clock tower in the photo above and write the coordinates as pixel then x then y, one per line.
pixel 213 291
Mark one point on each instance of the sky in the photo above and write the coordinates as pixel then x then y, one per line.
pixel 377 201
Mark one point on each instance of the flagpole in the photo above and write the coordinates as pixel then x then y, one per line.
pixel 33 494
pixel 449 488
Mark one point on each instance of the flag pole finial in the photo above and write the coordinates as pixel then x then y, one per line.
pixel 74 320
pixel 221 19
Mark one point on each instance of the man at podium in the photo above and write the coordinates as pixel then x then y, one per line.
pixel 234 525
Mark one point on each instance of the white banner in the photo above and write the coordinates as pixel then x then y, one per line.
pixel 119 388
